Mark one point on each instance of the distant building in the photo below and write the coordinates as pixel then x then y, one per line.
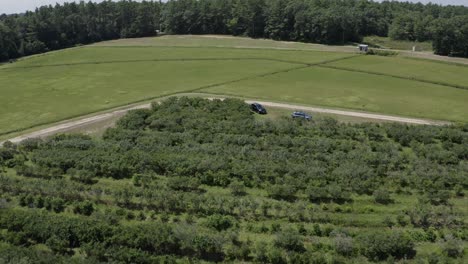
pixel 363 48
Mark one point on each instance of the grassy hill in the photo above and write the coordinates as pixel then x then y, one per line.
pixel 59 85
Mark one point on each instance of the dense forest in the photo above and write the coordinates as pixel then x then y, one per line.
pixel 198 180
pixel 319 21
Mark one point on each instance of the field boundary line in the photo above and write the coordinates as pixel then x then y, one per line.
pixel 331 48
pixel 180 60
pixel 155 60
pixel 304 66
pixel 395 76
pixel 452 63
pixel 335 60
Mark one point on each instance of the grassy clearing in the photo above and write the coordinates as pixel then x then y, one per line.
pixel 32 96
pixel 387 43
pixel 335 88
pixel 437 72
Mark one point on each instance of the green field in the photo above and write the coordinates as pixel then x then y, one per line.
pixel 59 85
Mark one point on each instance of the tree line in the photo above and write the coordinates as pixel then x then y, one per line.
pixel 329 22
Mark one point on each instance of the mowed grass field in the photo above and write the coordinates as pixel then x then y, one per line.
pixel 45 94
pixel 59 85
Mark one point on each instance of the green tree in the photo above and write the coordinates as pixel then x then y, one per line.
pixel 381 245
pixel 289 239
pixel 237 188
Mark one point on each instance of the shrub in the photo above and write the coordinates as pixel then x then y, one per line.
pixel 431 234
pixel 438 197
pixel 388 221
pixel 344 245
pixel 282 192
pixel 417 235
pixel 459 190
pixel 58 245
pixel 219 222
pixel 453 247
pixel 317 231
pixel 382 245
pixel 185 184
pixel 84 208
pixel 261 252
pixel 385 53
pixel 237 188
pixel 275 256
pixel 234 252
pixel 338 194
pixel 402 220
pixel 289 239
pixel 16 238
pixel 29 144
pixel 275 227
pixel 82 176
pixel 317 194
pixel 382 196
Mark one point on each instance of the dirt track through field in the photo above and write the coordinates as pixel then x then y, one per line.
pixel 69 125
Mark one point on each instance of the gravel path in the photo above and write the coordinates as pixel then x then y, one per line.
pixel 355 114
pixel 68 125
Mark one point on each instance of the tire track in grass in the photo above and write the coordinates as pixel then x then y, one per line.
pixel 148 60
pixel 179 60
pixel 393 76
pixel 334 49
pixel 304 65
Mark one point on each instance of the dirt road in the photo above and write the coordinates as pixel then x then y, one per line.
pixel 355 114
pixel 69 125
pixel 73 124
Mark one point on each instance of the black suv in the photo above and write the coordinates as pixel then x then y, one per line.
pixel 258 108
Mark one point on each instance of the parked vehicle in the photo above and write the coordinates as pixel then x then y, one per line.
pixel 301 115
pixel 258 108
